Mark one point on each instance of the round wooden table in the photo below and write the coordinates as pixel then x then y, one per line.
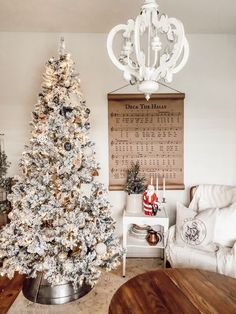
pixel 176 291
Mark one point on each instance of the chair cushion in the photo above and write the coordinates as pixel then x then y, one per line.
pixel 213 196
pixel 195 229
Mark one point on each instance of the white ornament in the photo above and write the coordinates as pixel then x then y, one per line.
pixel 10 215
pixel 85 189
pixel 62 256
pixel 42 139
pixel 81 225
pixel 101 248
pixel 88 151
pixel 68 266
pixel 40 267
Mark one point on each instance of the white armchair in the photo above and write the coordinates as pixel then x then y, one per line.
pixel 223 260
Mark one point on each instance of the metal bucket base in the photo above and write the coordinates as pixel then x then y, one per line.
pixel 38 290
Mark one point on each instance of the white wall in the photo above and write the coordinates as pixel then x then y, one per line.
pixel 210 107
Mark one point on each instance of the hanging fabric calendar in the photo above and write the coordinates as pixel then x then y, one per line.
pixel 151 132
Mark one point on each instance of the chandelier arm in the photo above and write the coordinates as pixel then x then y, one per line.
pixel 179 45
pixel 183 62
pixel 125 68
pixel 137 40
pixel 131 66
pixel 169 66
pixel 110 39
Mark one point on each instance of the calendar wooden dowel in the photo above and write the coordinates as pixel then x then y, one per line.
pixel 168 187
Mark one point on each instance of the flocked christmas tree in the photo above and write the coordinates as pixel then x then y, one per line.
pixel 61 221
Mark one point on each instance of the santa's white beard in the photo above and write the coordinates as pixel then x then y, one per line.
pixel 149 195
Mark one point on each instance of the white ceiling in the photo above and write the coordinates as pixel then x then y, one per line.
pixel 99 16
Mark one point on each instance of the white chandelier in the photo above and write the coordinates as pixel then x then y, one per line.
pixel 154 48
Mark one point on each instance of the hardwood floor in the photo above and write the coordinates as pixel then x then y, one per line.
pixel 9 290
pixel 206 292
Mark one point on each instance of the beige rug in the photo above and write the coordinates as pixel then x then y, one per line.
pixel 95 302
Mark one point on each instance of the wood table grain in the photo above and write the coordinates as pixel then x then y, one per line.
pixel 176 291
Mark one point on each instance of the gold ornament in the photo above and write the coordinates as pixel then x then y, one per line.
pixel 77 120
pixel 54 178
pixel 95 173
pixel 66 201
pixel 77 161
pixel 24 170
pixel 67 83
pixel 42 116
pixel 48 223
pixel 68 209
pixel 75 251
pixel 98 192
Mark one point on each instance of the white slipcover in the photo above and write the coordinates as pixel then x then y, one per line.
pixel 222 261
pixel 184 256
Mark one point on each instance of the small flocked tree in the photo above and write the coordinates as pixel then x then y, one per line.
pixel 5 182
pixel 135 183
pixel 61 222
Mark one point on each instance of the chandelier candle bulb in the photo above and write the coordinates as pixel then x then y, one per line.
pixel 147 62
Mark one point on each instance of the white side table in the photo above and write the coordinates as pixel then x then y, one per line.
pixel 161 219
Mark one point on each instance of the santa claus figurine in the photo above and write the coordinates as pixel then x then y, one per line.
pixel 150 201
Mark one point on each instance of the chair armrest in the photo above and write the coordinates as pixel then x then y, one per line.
pixel 170 243
pixel 226 260
pixel 171 234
